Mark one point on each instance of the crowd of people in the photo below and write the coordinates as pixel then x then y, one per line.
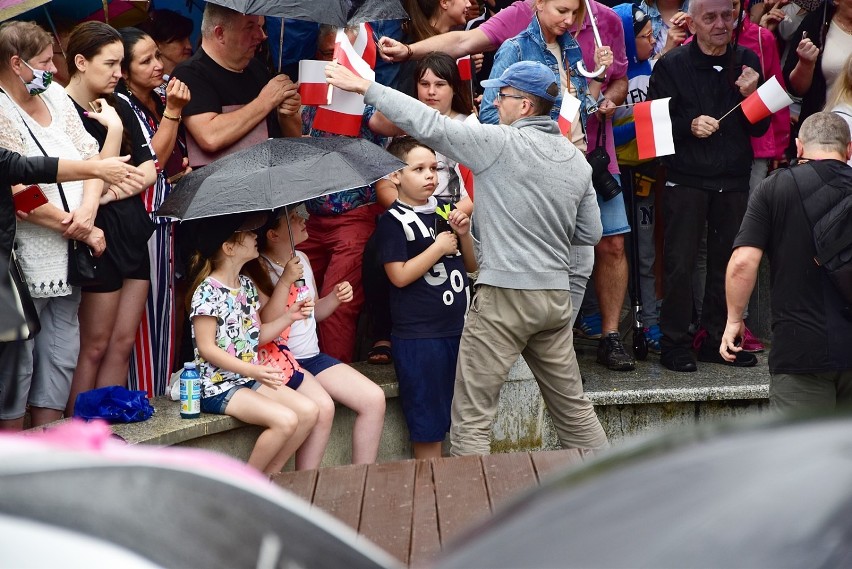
pixel 478 251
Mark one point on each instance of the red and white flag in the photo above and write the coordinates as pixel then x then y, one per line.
pixel 653 128
pixel 345 113
pixel 365 45
pixel 465 68
pixel 567 113
pixel 312 85
pixel 769 98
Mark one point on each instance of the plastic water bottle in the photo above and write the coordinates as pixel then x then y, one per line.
pixel 190 392
pixel 303 292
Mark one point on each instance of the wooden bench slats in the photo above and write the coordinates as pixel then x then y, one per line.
pixel 460 494
pixel 340 491
pixel 386 513
pixel 548 462
pixel 425 540
pixel 506 475
pixel 301 483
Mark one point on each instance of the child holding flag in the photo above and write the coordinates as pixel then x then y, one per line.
pixel 427 250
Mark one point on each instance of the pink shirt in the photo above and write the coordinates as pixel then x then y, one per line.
pixel 514 19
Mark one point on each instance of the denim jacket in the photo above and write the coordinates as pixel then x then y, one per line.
pixel 529 45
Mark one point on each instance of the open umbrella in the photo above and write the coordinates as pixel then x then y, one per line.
pixel 333 12
pixel 777 494
pixel 275 173
pixel 11 8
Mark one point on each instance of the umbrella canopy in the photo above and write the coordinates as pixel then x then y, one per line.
pixel 375 10
pixel 779 495
pixel 331 12
pixel 11 8
pixel 278 172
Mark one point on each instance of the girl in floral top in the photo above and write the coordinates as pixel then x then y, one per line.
pixel 227 331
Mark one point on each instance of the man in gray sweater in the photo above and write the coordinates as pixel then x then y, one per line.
pixel 534 199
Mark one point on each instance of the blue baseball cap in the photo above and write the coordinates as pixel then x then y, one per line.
pixel 530 77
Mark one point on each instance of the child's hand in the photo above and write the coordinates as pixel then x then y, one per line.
pixel 343 292
pixel 447 242
pixel 459 221
pixel 301 310
pixel 269 376
pixel 293 270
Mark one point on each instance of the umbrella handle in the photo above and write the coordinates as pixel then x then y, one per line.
pixel 581 67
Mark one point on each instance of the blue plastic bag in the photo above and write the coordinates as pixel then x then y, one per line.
pixel 114 404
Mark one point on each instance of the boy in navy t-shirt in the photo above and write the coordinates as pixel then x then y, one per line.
pixel 426 249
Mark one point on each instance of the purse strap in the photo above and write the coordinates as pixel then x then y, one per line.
pixel 40 147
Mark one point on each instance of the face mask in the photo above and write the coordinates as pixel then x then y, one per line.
pixel 41 80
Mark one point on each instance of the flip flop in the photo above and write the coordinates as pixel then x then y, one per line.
pixel 380 355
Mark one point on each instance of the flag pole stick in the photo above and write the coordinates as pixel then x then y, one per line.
pixel 330 86
pixel 732 110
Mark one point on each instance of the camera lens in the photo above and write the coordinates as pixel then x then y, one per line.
pixel 606 185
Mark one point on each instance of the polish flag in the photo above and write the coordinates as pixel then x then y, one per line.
pixel 769 98
pixel 312 85
pixel 365 44
pixel 567 113
pixel 653 128
pixel 465 68
pixel 345 113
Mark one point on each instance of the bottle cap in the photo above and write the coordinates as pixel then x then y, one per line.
pixel 189 365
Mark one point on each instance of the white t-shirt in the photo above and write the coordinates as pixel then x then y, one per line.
pixel 303 341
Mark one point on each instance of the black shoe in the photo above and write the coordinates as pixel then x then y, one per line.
pixel 710 355
pixel 678 359
pixel 612 354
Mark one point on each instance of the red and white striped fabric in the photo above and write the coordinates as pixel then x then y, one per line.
pixel 345 113
pixel 312 86
pixel 465 68
pixel 769 98
pixel 567 113
pixel 365 45
pixel 653 128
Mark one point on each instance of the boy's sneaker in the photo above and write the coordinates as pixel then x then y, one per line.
pixel 612 354
pixel 588 326
pixel 653 337
pixel 750 342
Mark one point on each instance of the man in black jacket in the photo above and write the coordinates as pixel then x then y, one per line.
pixel 708 177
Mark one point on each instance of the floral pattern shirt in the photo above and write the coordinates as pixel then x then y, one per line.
pixel 340 202
pixel 237 329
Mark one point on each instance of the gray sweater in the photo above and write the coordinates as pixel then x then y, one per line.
pixel 533 191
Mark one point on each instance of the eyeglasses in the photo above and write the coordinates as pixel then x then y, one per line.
pixel 502 96
pixel 646 36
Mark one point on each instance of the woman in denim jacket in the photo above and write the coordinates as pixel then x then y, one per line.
pixel 546 34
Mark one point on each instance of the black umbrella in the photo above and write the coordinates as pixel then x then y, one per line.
pixel 375 10
pixel 334 12
pixel 278 172
pixel 779 495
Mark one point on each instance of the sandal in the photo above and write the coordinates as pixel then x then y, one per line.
pixel 380 355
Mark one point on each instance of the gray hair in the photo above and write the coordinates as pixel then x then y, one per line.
pixel 825 130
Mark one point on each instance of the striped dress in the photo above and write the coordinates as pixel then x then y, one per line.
pixel 153 353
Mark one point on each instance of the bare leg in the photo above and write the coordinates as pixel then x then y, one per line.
pixel 427 450
pixel 312 450
pixel 12 424
pixel 306 412
pixel 42 416
pixel 280 422
pixel 350 388
pixel 610 280
pixel 97 315
pixel 131 304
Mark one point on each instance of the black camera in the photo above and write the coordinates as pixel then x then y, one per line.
pixel 604 183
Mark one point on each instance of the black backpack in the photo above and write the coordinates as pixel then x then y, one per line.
pixel 827 201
